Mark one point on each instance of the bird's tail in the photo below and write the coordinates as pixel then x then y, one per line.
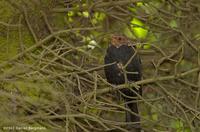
pixel 132 105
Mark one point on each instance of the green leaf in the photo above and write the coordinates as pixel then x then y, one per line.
pixel 155 117
pixel 128 33
pixel 177 124
pixel 70 13
pixel 99 16
pixel 197 36
pixel 138 28
pixel 173 24
pixel 147 46
pixel 85 14
pixel 139 4
pixel 132 9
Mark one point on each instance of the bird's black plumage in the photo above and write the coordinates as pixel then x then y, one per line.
pixel 120 56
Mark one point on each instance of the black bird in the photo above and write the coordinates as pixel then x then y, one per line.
pixel 126 68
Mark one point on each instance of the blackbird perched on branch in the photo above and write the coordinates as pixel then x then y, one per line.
pixel 126 68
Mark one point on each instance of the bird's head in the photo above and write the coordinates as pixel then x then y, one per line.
pixel 119 40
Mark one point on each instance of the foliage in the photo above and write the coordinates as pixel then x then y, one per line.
pixel 51 64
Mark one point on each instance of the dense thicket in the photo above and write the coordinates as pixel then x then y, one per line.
pixel 51 64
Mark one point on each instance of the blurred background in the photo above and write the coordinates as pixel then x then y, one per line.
pixel 52 58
